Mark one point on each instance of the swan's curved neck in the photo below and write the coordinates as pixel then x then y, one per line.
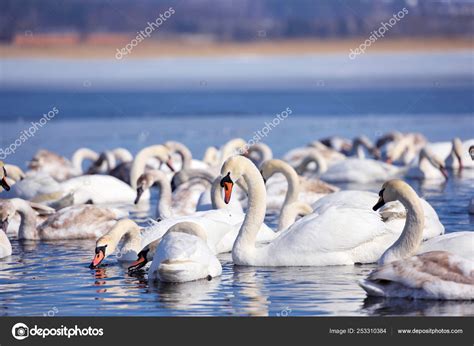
pixel 126 229
pixel 412 235
pixel 321 164
pixel 163 208
pixel 216 195
pixel 139 164
pixel 122 155
pixel 28 228
pixel 264 152
pixel 291 178
pixel 83 154
pixel 244 245
pixel 290 212
pixel 183 152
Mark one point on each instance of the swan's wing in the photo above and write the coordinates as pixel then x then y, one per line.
pixel 78 222
pixel 335 230
pixel 99 188
pixel 433 275
pixel 348 198
pixel 459 243
pixel 183 257
pixel 359 170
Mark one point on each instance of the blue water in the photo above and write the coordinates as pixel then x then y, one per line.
pixel 52 278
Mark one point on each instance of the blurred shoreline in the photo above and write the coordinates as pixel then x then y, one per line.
pixel 106 48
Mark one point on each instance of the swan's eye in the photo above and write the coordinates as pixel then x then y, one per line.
pixel 381 193
pixel 226 179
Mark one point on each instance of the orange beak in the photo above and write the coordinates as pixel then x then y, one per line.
pixel 139 263
pixel 98 258
pixel 169 163
pixel 389 161
pixel 227 191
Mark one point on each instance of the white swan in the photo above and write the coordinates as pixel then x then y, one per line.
pixel 107 243
pixel 183 255
pixel 410 241
pixel 446 274
pixel 77 222
pixel 339 235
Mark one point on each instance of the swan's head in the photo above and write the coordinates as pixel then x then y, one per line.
pixel 144 256
pixel 268 168
pixel 7 210
pixel 3 175
pixel 393 190
pixel 435 161
pixel 471 152
pixel 232 170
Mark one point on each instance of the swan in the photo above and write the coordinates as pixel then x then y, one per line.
pixel 311 189
pixel 440 268
pixel 336 236
pixel 108 243
pixel 183 255
pixel 59 167
pixel 77 222
pixel 436 275
pixel 410 241
pixel 9 174
pixel 429 167
pixel 98 189
pixel 5 245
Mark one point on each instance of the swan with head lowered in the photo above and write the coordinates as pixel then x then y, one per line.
pixel 440 268
pixel 337 235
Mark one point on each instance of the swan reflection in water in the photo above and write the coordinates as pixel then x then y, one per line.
pixel 376 306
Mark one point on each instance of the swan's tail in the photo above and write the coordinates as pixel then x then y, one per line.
pixel 182 271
